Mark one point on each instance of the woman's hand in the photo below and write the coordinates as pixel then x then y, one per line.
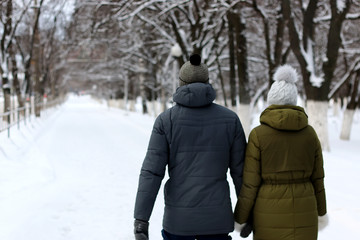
pixel 323 221
pixel 245 229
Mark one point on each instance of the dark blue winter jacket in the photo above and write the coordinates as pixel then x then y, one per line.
pixel 198 141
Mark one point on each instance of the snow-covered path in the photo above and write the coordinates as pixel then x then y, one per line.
pixel 73 175
pixel 85 183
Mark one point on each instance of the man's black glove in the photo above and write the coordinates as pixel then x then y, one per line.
pixel 141 229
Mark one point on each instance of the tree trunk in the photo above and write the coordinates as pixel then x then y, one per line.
pixel 317 111
pixel 175 82
pixel 132 105
pixel 7 99
pixel 334 42
pixel 241 58
pixel 154 107
pixel 30 62
pixel 221 81
pixel 132 93
pixel 242 69
pixel 317 94
pixel 142 86
pixel 4 71
pixel 36 75
pixel 350 109
pixel 52 87
pixel 36 66
pixel 232 58
pixel 245 119
pixel 336 107
pixel 268 50
pixel 16 82
pixel 126 94
pixel 347 124
pixel 163 99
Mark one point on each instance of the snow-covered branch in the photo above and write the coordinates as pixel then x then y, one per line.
pixel 157 27
pixel 349 16
pixel 16 25
pixel 139 9
pixel 352 16
pixel 173 6
pixel 353 68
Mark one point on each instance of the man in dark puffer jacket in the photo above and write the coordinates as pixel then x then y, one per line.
pixel 198 141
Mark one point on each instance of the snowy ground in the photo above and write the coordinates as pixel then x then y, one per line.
pixel 73 175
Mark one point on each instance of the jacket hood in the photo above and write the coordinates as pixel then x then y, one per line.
pixel 195 95
pixel 284 117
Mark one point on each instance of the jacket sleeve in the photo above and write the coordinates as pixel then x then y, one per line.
pixel 251 180
pixel 237 157
pixel 152 171
pixel 317 179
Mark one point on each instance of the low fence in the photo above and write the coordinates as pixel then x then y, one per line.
pixel 24 114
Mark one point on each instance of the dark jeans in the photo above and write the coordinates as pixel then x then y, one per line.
pixel 169 236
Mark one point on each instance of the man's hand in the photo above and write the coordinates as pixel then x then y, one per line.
pixel 141 229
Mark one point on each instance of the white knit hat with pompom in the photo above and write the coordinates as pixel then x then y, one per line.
pixel 283 91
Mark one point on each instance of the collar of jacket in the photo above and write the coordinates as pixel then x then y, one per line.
pixel 284 117
pixel 195 95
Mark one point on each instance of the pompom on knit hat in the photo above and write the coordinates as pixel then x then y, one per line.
pixel 284 91
pixel 193 71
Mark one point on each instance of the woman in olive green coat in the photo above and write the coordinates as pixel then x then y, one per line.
pixel 283 181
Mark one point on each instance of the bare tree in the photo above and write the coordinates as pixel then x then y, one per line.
pixel 351 106
pixel 232 74
pixel 277 49
pixel 317 81
pixel 7 53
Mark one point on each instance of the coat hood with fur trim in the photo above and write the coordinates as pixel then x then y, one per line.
pixel 285 117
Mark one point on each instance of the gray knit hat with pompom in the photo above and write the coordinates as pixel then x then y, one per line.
pixel 193 71
pixel 283 91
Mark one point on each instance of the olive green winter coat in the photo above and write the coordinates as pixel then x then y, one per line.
pixel 283 181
